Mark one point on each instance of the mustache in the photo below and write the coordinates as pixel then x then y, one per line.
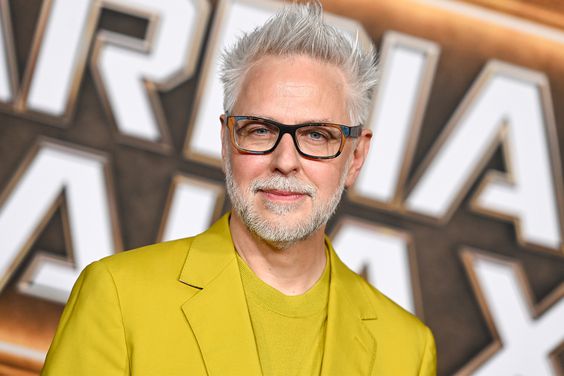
pixel 282 183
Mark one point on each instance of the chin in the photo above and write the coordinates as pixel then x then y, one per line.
pixel 278 209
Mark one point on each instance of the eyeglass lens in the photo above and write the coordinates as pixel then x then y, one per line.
pixel 315 140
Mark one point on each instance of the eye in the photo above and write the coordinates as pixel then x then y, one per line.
pixel 260 131
pixel 316 135
pixel 254 130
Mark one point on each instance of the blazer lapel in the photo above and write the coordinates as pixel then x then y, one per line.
pixel 350 348
pixel 218 314
pixel 219 318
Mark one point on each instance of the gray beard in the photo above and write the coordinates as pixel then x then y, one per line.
pixel 281 234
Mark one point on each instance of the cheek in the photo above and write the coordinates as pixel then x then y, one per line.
pixel 325 176
pixel 247 167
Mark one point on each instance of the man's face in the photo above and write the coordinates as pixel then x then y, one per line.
pixel 282 196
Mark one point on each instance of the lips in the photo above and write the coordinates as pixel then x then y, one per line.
pixel 281 195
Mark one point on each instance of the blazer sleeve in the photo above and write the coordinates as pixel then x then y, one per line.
pixel 90 338
pixel 429 361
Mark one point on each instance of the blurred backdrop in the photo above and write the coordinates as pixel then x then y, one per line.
pixel 109 140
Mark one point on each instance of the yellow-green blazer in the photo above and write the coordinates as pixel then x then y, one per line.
pixel 178 308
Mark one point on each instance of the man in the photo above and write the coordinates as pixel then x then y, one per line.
pixel 262 291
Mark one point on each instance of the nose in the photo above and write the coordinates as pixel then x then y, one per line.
pixel 285 159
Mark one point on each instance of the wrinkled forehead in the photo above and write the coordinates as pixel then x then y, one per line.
pixel 293 90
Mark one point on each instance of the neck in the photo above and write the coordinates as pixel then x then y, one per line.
pixel 292 270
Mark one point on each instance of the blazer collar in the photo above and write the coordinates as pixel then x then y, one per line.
pixel 219 318
pixel 218 314
pixel 350 348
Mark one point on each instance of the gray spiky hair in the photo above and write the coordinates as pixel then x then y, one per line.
pixel 299 29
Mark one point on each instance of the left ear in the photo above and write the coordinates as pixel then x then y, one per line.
pixel 224 146
pixel 359 156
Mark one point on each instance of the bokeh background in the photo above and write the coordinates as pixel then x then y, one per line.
pixel 109 141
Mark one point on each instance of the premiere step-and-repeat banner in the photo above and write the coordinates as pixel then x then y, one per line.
pixel 109 140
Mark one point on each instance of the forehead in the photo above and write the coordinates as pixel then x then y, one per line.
pixel 293 89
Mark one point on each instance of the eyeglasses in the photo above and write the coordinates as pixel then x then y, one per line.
pixel 255 135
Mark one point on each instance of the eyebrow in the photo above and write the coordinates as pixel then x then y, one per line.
pixel 325 120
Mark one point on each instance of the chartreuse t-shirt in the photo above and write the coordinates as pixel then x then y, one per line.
pixel 289 330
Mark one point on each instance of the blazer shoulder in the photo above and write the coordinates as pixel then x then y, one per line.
pixel 151 259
